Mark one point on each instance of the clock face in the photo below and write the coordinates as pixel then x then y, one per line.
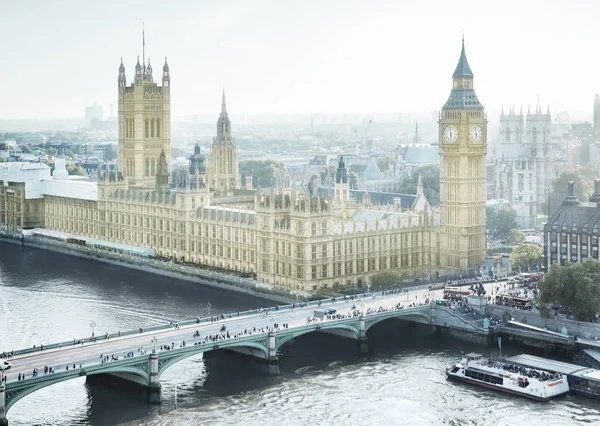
pixel 450 134
pixel 476 133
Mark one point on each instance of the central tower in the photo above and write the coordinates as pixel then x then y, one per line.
pixel 144 124
pixel 223 167
pixel 463 146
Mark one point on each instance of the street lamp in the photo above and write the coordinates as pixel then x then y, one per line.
pixel 93 325
pixel 154 340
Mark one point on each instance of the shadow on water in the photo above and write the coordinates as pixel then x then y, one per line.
pixel 27 268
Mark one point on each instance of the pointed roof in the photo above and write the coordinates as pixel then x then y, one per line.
pixel 223 103
pixel 463 70
pixel 162 167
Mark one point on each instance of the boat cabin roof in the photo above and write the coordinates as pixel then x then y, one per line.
pixel 473 355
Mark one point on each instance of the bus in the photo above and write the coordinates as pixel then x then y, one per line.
pixel 456 293
pixel 517 302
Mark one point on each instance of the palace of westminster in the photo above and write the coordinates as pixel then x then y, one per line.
pixel 286 236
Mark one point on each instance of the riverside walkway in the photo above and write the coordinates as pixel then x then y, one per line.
pixel 142 355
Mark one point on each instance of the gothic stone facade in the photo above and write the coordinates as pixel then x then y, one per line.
pixel 289 238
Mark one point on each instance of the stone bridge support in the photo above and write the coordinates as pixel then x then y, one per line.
pixel 272 362
pixel 363 343
pixel 3 421
pixel 153 390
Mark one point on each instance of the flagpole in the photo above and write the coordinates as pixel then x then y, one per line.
pixel 143 47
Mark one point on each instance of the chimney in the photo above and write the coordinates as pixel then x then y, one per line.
pixel 571 198
pixel 595 197
pixel 571 191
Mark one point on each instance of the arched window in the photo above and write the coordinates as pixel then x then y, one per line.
pixel 133 127
pixel 158 127
pixel 533 135
pixel 507 134
pixel 147 167
pixel 152 128
pixel 146 129
pixel 153 167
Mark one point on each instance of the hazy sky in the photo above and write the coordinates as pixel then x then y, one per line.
pixel 286 56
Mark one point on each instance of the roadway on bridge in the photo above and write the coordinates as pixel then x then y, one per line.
pixel 89 354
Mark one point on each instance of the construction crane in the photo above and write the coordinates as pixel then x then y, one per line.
pixel 361 140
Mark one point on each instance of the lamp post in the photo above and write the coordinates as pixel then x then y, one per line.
pixel 154 340
pixel 93 325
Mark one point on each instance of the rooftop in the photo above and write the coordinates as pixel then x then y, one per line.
pixel 545 364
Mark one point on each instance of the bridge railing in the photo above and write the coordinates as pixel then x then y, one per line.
pixel 160 327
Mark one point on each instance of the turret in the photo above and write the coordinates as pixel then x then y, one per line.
pixel 122 77
pixel 166 77
pixel 162 175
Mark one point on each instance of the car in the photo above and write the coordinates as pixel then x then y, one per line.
pixel 330 311
pixel 4 365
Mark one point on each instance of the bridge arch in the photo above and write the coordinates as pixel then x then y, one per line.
pixel 347 331
pixel 165 361
pixel 419 316
pixel 21 389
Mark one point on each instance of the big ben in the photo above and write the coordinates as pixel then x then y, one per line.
pixel 463 145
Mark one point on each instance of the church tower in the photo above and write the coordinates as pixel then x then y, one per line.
pixel 223 168
pixel 341 186
pixel 144 123
pixel 463 146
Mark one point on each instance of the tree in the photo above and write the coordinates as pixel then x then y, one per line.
pixel 583 188
pixel 74 170
pixel 515 236
pixel 527 256
pixel 383 163
pixel 430 176
pixel 574 286
pixel 51 151
pixel 263 172
pixel 384 279
pixel 331 170
pixel 500 222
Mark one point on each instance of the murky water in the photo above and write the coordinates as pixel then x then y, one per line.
pixel 47 297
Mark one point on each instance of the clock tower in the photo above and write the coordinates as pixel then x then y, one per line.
pixel 463 145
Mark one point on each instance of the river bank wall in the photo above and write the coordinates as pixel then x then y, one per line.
pixel 157 267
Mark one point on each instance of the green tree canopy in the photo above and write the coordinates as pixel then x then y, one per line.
pixel 527 257
pixel 430 175
pixel 384 279
pixel 74 170
pixel 583 187
pixel 500 222
pixel 574 286
pixel 515 236
pixel 263 172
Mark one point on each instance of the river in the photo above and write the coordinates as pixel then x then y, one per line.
pixel 47 297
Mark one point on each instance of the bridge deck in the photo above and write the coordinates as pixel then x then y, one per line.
pixel 89 353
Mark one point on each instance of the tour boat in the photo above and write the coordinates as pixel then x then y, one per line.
pixel 503 376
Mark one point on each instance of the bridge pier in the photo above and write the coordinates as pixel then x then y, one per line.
pixel 272 362
pixel 153 389
pixel 3 421
pixel 363 341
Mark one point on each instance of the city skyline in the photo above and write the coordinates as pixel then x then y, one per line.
pixel 323 60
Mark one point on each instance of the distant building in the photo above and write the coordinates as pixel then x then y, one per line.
pixel 93 112
pixel 524 161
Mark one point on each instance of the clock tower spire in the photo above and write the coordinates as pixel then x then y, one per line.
pixel 463 146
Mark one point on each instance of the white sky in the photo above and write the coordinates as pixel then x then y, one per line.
pixel 309 56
